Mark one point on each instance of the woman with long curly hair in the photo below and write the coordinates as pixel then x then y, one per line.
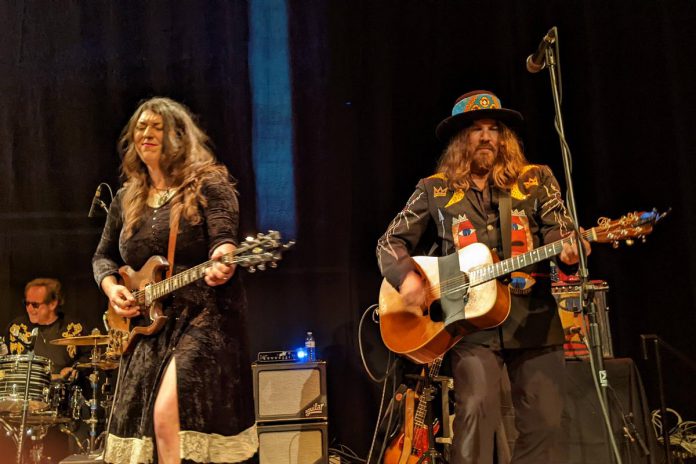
pixel 183 393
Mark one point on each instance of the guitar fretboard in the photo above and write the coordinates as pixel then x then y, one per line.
pixel 419 416
pixel 495 270
pixel 259 249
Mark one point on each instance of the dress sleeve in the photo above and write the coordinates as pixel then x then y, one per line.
pixel 221 212
pixel 394 248
pixel 106 257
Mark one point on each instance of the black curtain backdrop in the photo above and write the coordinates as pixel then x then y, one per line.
pixel 370 81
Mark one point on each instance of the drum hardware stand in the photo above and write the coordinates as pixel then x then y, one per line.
pixel 93 420
pixel 90 447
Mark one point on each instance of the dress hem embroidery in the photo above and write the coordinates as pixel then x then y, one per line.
pixel 212 447
pixel 195 446
pixel 128 450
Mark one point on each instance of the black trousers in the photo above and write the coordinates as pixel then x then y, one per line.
pixel 536 382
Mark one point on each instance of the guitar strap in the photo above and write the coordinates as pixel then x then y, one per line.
pixel 173 231
pixel 505 210
pixel 520 283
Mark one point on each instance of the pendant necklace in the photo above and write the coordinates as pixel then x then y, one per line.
pixel 162 196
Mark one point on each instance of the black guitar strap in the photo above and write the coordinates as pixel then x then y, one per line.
pixel 505 210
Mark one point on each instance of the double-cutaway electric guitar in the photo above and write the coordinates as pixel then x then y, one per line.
pixel 148 286
pixel 468 282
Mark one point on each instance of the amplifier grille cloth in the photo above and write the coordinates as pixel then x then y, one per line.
pixel 291 447
pixel 285 392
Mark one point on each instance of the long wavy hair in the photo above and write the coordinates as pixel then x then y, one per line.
pixel 455 162
pixel 187 159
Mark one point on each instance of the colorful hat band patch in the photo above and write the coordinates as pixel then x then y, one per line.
pixel 481 101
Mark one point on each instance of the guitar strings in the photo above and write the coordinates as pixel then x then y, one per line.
pixel 460 282
pixel 139 295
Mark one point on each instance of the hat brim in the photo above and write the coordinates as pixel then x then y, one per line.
pixel 450 126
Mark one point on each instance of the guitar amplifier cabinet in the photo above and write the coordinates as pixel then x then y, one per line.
pixel 299 443
pixel 569 308
pixel 290 391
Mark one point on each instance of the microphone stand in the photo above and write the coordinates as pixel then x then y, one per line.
pixel 586 300
pixel 25 406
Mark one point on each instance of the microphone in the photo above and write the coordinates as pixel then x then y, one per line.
pixel 537 60
pixel 96 201
pixel 32 338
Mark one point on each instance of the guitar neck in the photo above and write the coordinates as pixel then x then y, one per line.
pixel 506 266
pixel 166 286
pixel 419 416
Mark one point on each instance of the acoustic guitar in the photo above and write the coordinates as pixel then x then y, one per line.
pixel 472 298
pixel 148 287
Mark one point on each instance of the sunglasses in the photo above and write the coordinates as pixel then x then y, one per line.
pixel 33 304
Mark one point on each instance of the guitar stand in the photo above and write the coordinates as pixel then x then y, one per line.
pixel 431 455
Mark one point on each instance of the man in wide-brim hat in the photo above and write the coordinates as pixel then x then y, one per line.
pixel 485 191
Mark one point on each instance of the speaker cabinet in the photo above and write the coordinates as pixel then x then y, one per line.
pixel 290 391
pixel 583 437
pixel 299 443
pixel 569 308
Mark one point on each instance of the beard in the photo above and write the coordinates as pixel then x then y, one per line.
pixel 482 161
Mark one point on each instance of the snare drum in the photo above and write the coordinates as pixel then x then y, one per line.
pixel 13 382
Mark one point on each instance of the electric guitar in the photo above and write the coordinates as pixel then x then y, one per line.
pixel 467 283
pixel 412 441
pixel 147 286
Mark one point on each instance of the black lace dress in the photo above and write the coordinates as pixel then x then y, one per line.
pixel 206 332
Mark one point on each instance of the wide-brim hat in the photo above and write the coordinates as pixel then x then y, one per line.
pixel 478 104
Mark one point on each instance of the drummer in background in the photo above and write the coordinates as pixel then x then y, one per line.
pixel 43 301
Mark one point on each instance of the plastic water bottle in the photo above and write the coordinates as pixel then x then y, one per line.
pixel 310 347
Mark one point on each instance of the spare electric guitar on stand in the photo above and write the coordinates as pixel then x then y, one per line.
pixel 466 285
pixel 148 287
pixel 412 441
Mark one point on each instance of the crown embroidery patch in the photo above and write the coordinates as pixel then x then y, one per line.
pixel 439 192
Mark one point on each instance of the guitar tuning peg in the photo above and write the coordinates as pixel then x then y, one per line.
pixel 249 238
pixel 273 264
pixel 629 241
pixel 252 269
pixel 643 239
pixel 262 267
pixel 615 244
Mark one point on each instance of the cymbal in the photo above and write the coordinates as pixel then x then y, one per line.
pixel 101 365
pixel 84 340
pixel 39 418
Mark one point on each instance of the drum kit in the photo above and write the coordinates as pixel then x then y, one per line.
pixel 31 403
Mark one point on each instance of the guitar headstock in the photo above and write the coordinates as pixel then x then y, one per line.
pixel 635 225
pixel 256 253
